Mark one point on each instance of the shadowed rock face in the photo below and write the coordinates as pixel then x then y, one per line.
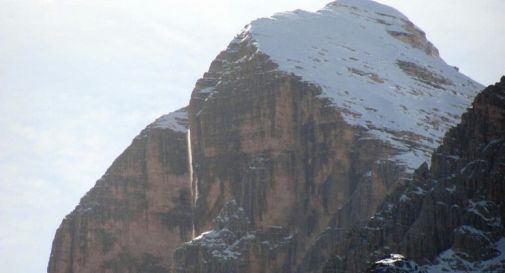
pixel 451 217
pixel 267 141
pixel 137 213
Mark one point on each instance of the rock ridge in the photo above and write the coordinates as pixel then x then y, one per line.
pixel 451 217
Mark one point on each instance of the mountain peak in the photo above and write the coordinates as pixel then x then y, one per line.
pixel 374 65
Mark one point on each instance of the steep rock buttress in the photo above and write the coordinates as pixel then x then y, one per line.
pixel 137 213
pixel 308 120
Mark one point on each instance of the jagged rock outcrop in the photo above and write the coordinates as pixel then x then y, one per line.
pixel 137 213
pixel 298 131
pixel 233 246
pixel 450 218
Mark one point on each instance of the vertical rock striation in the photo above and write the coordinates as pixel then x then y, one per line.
pixel 451 217
pixel 137 213
pixel 265 139
pixel 306 138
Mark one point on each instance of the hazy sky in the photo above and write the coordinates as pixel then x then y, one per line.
pixel 80 78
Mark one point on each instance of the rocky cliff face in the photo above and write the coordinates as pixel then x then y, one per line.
pixel 296 133
pixel 265 140
pixel 295 143
pixel 451 217
pixel 137 213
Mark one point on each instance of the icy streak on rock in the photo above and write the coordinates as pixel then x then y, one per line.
pixel 194 192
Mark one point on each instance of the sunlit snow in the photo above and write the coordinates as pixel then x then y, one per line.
pixel 350 50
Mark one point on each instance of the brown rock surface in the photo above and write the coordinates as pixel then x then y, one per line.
pixel 264 139
pixel 137 213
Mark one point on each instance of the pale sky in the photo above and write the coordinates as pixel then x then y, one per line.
pixel 80 78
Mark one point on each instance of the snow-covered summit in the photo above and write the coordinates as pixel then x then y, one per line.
pixel 375 66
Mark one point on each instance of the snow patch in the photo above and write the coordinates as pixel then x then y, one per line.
pixel 396 263
pixel 217 243
pixel 176 121
pixel 392 259
pixel 404 198
pixel 451 189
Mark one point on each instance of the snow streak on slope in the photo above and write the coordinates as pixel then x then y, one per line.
pixel 176 121
pixel 375 66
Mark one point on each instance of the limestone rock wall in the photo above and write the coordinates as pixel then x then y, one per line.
pixel 266 140
pixel 269 174
pixel 136 214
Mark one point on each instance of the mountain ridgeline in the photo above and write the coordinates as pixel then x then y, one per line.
pixel 304 148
